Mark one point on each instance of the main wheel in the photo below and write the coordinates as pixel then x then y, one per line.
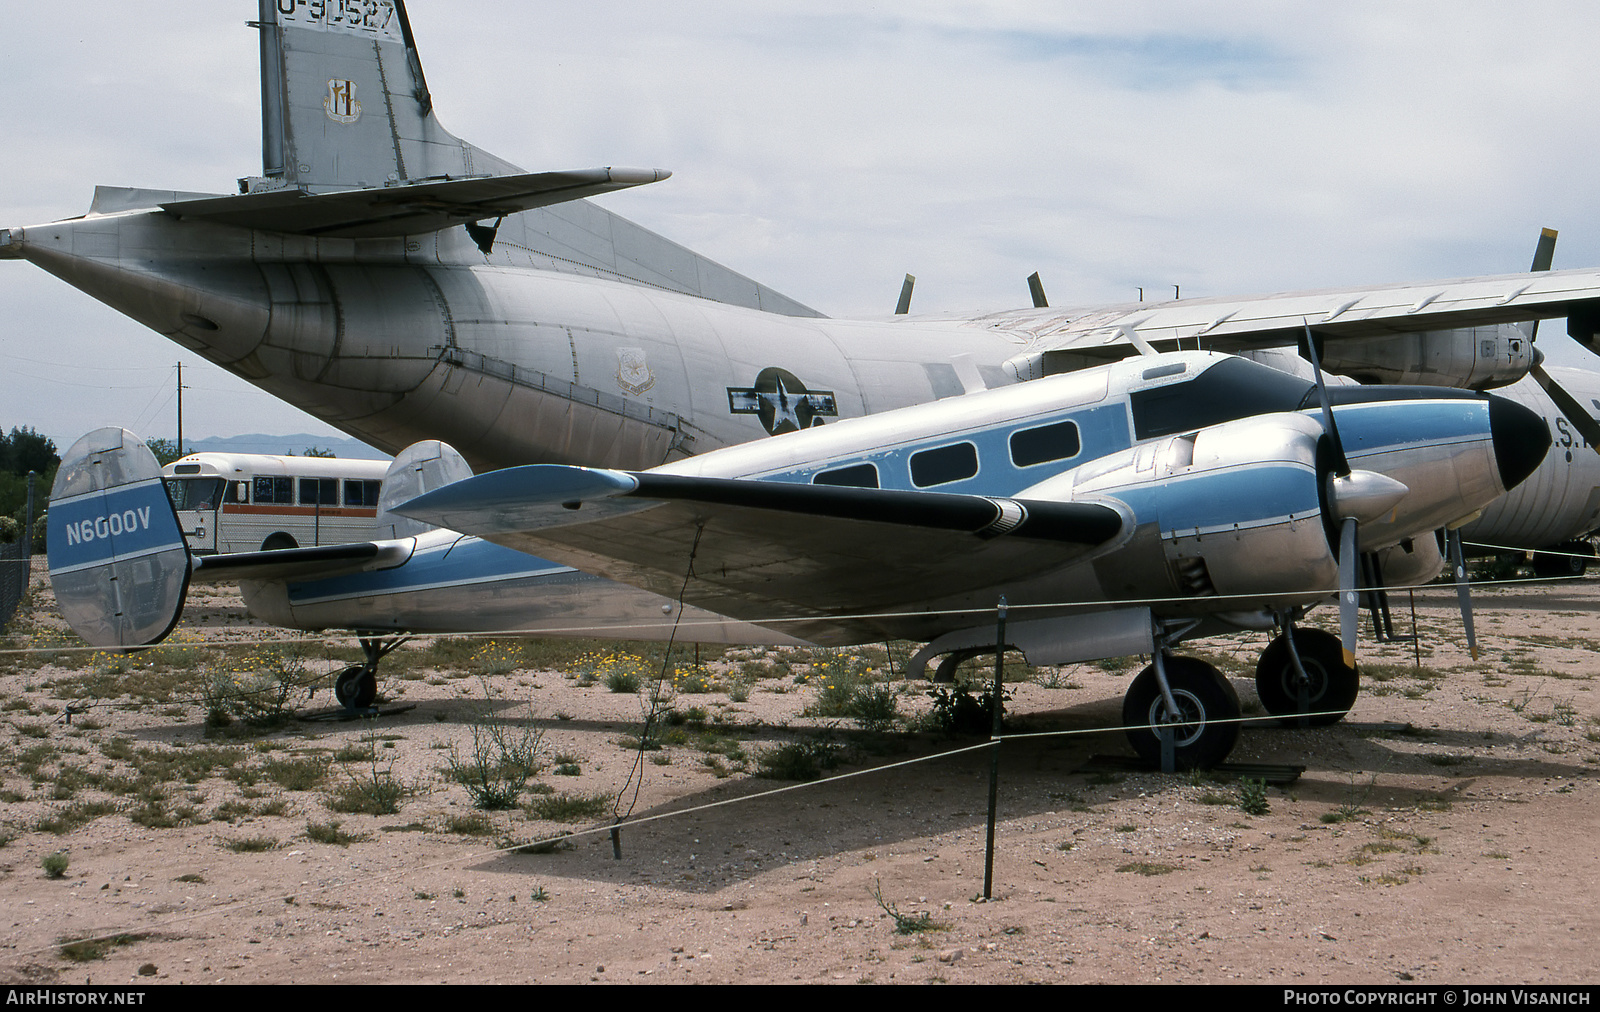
pixel 1566 560
pixel 356 687
pixel 1204 698
pixel 1333 685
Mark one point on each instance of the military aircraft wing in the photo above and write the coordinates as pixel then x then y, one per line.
pixel 766 548
pixel 1233 324
pixel 406 210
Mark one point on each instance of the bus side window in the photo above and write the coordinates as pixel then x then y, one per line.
pixel 319 491
pixel 275 490
pixel 361 493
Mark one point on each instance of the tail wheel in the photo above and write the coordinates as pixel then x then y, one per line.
pixel 1332 686
pixel 1204 699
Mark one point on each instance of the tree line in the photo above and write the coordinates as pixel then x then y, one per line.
pixel 23 450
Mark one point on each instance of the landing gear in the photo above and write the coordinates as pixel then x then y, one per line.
pixel 356 687
pixel 1566 560
pixel 1330 686
pixel 1203 698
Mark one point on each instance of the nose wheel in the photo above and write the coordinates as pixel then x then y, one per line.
pixel 1205 726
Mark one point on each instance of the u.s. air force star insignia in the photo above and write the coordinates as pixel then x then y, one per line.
pixel 782 402
pixel 633 372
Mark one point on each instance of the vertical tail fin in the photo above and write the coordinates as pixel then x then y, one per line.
pixel 344 104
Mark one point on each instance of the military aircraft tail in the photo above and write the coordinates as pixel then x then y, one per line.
pixel 345 105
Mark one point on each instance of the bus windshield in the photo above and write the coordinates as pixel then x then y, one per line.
pixel 195 493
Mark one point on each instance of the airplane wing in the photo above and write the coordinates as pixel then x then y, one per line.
pixel 406 210
pixel 760 549
pixel 1234 324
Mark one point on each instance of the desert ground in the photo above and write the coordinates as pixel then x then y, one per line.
pixel 172 816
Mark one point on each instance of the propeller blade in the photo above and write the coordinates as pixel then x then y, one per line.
pixel 1349 598
pixel 1463 589
pixel 1341 464
pixel 1545 253
pixel 1568 404
pixel 905 295
pixel 1036 289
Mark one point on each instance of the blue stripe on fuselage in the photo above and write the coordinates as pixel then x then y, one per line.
pixel 458 563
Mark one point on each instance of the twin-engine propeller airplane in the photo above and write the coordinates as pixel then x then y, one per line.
pixel 1119 510
pixel 404 285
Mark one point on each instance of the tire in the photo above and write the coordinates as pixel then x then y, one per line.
pixel 1334 685
pixel 1572 562
pixel 278 542
pixel 1205 698
pixel 356 688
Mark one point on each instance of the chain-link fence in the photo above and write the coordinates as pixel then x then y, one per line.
pixel 13 578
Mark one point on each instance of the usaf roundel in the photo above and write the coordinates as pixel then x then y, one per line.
pixel 782 402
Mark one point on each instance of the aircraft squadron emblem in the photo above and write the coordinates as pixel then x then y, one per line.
pixel 340 102
pixel 633 372
pixel 782 402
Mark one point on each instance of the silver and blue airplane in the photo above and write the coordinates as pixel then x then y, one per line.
pixel 403 284
pixel 1120 509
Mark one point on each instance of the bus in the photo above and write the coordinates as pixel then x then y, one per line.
pixel 249 502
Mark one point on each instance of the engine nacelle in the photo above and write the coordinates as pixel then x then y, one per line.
pixel 1476 358
pixel 1251 513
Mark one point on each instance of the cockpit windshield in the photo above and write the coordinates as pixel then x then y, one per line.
pixel 1232 388
pixel 195 493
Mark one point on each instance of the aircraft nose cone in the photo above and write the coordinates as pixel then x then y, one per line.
pixel 1521 439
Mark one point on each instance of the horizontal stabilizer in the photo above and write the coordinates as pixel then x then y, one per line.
pixel 301 563
pixel 406 210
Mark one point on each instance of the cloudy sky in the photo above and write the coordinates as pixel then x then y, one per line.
pixel 828 148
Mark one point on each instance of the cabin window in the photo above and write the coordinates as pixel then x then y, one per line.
pixel 1045 443
pixel 854 476
pixel 944 464
pixel 274 490
pixel 319 491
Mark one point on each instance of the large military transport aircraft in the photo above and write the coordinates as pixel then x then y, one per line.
pixel 403 284
pixel 1120 509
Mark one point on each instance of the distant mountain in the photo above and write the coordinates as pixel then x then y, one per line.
pixel 296 444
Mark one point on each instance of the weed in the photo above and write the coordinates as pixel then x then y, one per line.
pixel 1148 868
pixel 297 774
pixel 329 832
pixel 470 824
pixel 568 807
pixel 87 950
pixel 957 711
pixel 55 865
pixel 1253 797
pixel 539 895
pixel 502 760
pixel 797 760
pixel 252 845
pixel 905 924
pixel 65 820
